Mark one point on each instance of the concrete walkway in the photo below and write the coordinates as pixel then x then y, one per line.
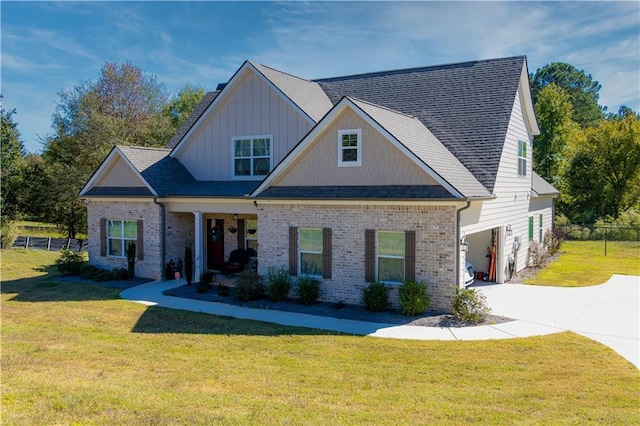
pixel 607 313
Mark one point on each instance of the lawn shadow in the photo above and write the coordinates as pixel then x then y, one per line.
pixel 166 320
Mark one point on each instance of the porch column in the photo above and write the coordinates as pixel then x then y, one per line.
pixel 198 246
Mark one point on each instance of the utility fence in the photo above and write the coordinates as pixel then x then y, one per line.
pixel 598 233
pixel 49 243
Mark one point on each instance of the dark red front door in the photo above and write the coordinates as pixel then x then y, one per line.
pixel 215 243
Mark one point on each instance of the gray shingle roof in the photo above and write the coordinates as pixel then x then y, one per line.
pixel 412 133
pixel 160 171
pixel 191 120
pixel 539 186
pixel 389 192
pixel 307 95
pixel 214 189
pixel 467 106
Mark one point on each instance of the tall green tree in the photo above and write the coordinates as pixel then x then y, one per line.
pixel 582 90
pixel 12 154
pixel 557 129
pixel 604 176
pixel 181 106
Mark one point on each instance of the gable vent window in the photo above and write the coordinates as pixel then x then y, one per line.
pixel 350 147
pixel 251 156
pixel 522 158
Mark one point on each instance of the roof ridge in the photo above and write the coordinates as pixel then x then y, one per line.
pixel 415 69
pixel 149 148
pixel 282 72
pixel 395 111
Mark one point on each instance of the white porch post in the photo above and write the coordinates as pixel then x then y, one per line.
pixel 198 245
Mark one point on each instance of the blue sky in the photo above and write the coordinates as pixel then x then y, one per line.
pixel 51 46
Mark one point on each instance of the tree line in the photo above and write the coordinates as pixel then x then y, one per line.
pixel 590 155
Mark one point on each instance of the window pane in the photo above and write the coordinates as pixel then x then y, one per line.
pixel 349 155
pixel 261 147
pixel 115 228
pixel 311 263
pixel 115 247
pixel 243 148
pixel 311 240
pixel 261 166
pixel 391 244
pixel 252 244
pixel 243 167
pixel 390 269
pixel 131 229
pixel 350 140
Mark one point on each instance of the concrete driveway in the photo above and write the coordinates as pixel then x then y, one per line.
pixel 608 313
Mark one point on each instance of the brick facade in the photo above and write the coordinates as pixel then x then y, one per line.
pixel 435 244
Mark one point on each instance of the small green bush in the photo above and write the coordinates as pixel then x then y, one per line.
pixel 552 242
pixel 131 259
pixel 120 274
pixel 249 286
pixel 278 284
pixel 375 297
pixel 414 298
pixel 470 305
pixel 308 290
pixel 70 262
pixel 8 233
pixel 223 290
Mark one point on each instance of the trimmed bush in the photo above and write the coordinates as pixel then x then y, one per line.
pixel 249 286
pixel 70 263
pixel 131 259
pixel 470 305
pixel 120 274
pixel 278 284
pixel 414 298
pixel 375 297
pixel 308 290
pixel 8 233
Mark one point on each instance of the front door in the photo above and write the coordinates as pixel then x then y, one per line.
pixel 215 244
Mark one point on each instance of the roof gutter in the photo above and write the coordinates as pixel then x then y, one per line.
pixel 458 265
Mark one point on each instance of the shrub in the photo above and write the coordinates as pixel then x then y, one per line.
pixel 536 253
pixel 470 306
pixel 414 298
pixel 120 274
pixel 90 272
pixel 278 284
pixel 131 259
pixel 308 290
pixel 223 290
pixel 8 233
pixel 70 263
pixel 375 297
pixel 552 242
pixel 249 286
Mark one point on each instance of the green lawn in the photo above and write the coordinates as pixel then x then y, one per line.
pixel 584 263
pixel 77 354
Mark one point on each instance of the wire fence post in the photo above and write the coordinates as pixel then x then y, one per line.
pixel 606 232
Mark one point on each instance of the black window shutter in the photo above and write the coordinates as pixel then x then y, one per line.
pixel 103 237
pixel 369 255
pixel 410 255
pixel 293 251
pixel 140 243
pixel 326 253
pixel 241 234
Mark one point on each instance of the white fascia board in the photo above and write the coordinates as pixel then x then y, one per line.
pixel 110 198
pixel 368 202
pixel 106 163
pixel 228 88
pixel 527 101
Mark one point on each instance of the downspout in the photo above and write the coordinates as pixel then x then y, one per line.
pixel 458 244
pixel 162 238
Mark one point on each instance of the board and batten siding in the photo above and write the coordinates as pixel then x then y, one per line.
pixel 382 162
pixel 120 175
pixel 252 108
pixel 513 192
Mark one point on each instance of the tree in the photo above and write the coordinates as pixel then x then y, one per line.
pixel 557 129
pixel 11 156
pixel 582 90
pixel 604 176
pixel 181 106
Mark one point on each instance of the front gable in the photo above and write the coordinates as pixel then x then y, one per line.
pixel 119 174
pixel 249 106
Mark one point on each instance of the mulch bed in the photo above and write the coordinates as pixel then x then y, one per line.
pixel 343 311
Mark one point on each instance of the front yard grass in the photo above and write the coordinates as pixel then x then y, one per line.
pixel 77 354
pixel 583 263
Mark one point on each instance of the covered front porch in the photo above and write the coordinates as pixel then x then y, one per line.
pixel 213 228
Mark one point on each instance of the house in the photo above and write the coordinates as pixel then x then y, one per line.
pixel 385 176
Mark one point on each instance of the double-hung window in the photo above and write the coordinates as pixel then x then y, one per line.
pixel 350 148
pixel 522 158
pixel 119 234
pixel 251 156
pixel 391 256
pixel 310 251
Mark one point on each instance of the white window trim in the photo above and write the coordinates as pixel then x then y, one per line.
pixel 358 162
pixel 250 237
pixel 378 256
pixel 520 158
pixel 251 158
pixel 300 252
pixel 124 240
